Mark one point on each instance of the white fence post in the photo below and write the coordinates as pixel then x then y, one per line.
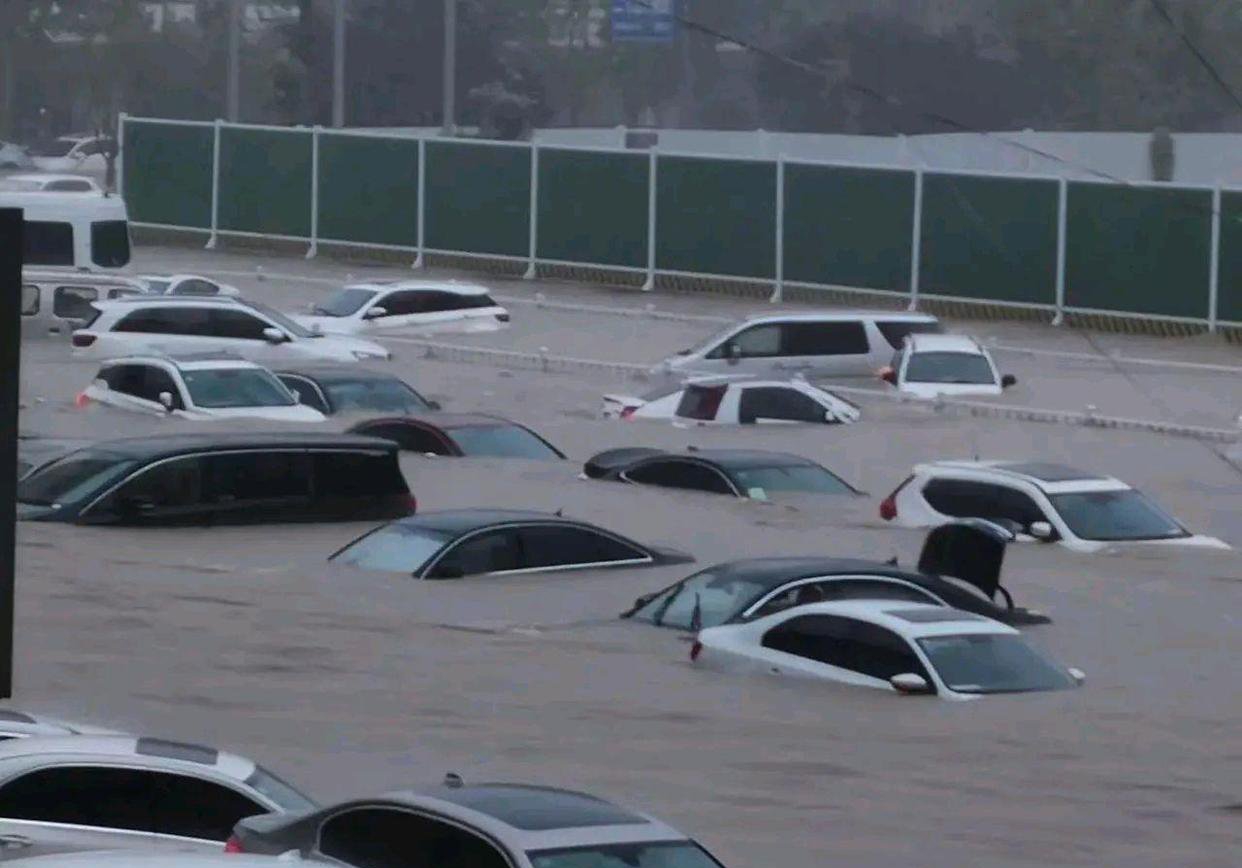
pixel 916 240
pixel 1214 270
pixel 534 212
pixel 215 184
pixel 120 154
pixel 778 289
pixel 422 200
pixel 314 215
pixel 652 177
pixel 1062 227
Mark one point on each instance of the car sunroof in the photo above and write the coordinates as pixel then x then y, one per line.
pixel 1046 472
pixel 932 616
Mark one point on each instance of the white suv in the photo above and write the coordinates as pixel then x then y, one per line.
pixel 414 305
pixel 1082 511
pixel 930 365
pixel 169 324
pixel 206 387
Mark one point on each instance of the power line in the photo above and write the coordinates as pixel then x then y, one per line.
pixel 1203 59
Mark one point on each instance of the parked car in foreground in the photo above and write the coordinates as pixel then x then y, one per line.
pixel 467 825
pixel 726 401
pixel 469 435
pixel 823 344
pixel 932 365
pixel 186 284
pixel 334 389
pixel 34 452
pixel 180 324
pixel 751 473
pixel 22 724
pixel 177 858
pixel 413 305
pixel 93 792
pixel 224 478
pixel 48 183
pixel 204 386
pixel 1084 512
pixel 960 566
pixel 910 648
pixel 467 542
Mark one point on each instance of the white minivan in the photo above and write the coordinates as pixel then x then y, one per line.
pixel 825 344
pixel 72 230
pixel 55 301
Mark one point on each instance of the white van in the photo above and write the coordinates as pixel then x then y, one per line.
pixel 826 344
pixel 75 230
pixel 55 301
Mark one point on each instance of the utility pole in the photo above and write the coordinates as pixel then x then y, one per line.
pixel 450 68
pixel 10 361
pixel 338 65
pixel 233 100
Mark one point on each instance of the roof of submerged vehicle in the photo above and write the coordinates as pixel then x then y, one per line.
pixel 167 445
pixel 111 746
pixel 441 285
pixel 1049 476
pixel 334 373
pixel 461 521
pixel 940 343
pixel 912 620
pixel 445 421
pixel 773 572
pixel 879 315
pixel 156 859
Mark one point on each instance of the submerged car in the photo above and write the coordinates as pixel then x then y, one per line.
pixel 933 365
pixel 909 648
pixel 1082 511
pixel 468 435
pixel 750 473
pixel 467 542
pixel 468 825
pixel 960 566
pixel 186 284
pixel 335 389
pixel 732 401
pixel 413 305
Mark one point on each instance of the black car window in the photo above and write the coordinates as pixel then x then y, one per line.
pixel 961 498
pixel 778 402
pixel 701 402
pixel 126 379
pixel 166 320
pixel 358 474
pixel 386 838
pixel 756 342
pixel 556 546
pixel 845 643
pixel 45 243
pixel 236 324
pixel 169 487
pixel 110 243
pixel 895 331
pixel 156 380
pixel 437 301
pixel 307 392
pixel 194 808
pixel 30 299
pixel 375 393
pixel 108 798
pixel 680 474
pixel 413 438
pixel 74 302
pixel 846 338
pixel 259 476
pixel 843 589
pixel 489 552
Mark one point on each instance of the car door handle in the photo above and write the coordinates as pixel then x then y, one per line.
pixel 15 842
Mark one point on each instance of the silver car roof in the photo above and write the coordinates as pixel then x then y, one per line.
pixel 146 751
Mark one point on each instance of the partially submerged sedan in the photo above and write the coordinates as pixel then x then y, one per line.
pixel 466 542
pixel 469 435
pixel 736 401
pixel 335 389
pixel 908 648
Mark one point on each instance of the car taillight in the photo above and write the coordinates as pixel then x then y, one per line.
pixel 83 340
pixel 412 502
pixel 888 506
pixel 233 845
pixel 502 317
pixel 81 400
pixel 627 412
pixel 695 650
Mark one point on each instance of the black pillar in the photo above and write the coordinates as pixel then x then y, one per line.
pixel 10 379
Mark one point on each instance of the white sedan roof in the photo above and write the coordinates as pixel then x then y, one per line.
pixel 191 362
pixel 458 287
pixel 911 620
pixel 141 859
pixel 1062 480
pixel 938 343
pixel 173 755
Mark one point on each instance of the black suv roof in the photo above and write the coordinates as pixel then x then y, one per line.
pixel 335 373
pixel 168 445
pixel 460 521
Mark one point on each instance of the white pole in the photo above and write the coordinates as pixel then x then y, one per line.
pixel 778 289
pixel 916 240
pixel 314 215
pixel 422 200
pixel 120 154
pixel 1062 226
pixel 338 64
pixel 534 212
pixel 215 184
pixel 233 107
pixel 1214 270
pixel 652 176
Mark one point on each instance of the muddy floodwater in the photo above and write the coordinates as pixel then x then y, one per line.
pixel 350 682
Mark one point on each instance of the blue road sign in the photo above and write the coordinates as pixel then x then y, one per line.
pixel 644 20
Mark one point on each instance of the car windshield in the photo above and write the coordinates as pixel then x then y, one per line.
pixel 706 599
pixel 278 791
pixel 394 548
pixel 219 388
pixel 283 321
pixel 1115 515
pixel 667 854
pixel 964 368
pixel 500 441
pixel 386 394
pixel 344 302
pixel 73 477
pixel 53 148
pixel 992 663
pixel 757 482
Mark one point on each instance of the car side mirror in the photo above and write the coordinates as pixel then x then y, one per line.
pixel 732 352
pixel 889 375
pixel 375 313
pixel 274 336
pixel 910 684
pixel 166 399
pixel 1078 675
pixel 1008 380
pixel 1042 531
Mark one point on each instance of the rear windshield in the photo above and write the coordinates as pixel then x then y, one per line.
pixel 500 441
pixel 110 243
pixel 73 477
pixel 895 331
pixel 383 394
pixel 394 548
pixel 221 388
pixel 46 243
pixel 344 302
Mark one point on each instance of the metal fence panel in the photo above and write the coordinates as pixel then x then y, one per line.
pixel 1143 250
pixel 368 189
pixel 1229 295
pixel 593 207
pixel 989 238
pixel 477 198
pixel 848 227
pixel 265 181
pixel 716 216
pixel 167 172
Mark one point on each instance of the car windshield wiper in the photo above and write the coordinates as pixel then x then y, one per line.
pixel 657 617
